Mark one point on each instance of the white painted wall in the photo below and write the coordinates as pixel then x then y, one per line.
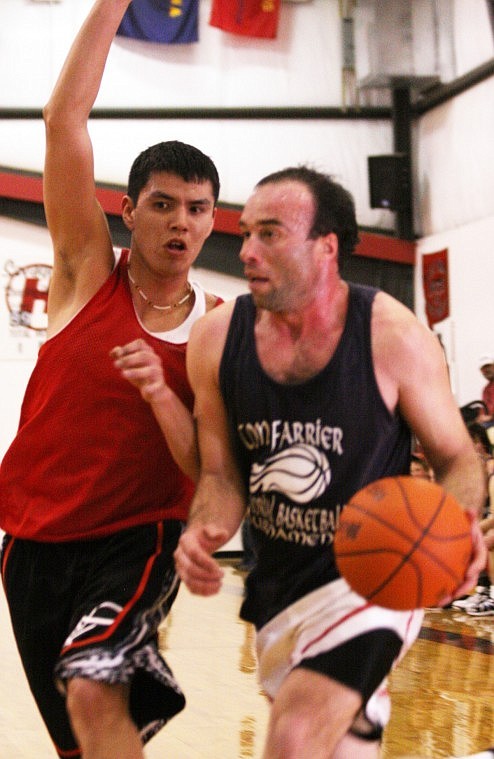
pixel 454 159
pixel 468 333
pixel 455 202
pixel 220 70
pixel 302 67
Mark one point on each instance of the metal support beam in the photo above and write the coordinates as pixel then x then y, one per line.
pixel 402 135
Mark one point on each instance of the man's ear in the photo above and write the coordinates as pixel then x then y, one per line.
pixel 213 220
pixel 330 244
pixel 128 210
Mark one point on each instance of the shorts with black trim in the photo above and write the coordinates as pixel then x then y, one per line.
pixel 92 609
pixel 337 633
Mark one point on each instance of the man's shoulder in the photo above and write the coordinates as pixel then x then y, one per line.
pixel 396 330
pixel 390 307
pixel 207 338
pixel 216 319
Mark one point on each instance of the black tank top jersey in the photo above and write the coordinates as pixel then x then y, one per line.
pixel 304 450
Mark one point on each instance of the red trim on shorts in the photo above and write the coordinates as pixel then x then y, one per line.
pixel 410 618
pixel 140 589
pixel 335 625
pixel 67 754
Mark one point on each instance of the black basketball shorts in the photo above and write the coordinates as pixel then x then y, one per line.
pixel 92 609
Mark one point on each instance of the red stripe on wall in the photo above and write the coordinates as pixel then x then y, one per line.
pixel 29 187
pixel 386 248
pixel 21 187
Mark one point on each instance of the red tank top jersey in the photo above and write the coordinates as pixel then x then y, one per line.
pixel 89 457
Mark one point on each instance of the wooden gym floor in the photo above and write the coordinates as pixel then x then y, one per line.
pixel 442 693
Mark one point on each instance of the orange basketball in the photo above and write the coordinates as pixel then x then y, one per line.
pixel 403 543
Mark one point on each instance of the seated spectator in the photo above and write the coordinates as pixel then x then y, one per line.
pixel 483 445
pixel 475 411
pixel 481 603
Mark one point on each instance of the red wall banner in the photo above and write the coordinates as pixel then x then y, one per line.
pixel 436 286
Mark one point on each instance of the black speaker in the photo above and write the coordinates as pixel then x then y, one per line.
pixel 389 181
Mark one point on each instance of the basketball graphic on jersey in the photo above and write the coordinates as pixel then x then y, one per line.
pixel 301 472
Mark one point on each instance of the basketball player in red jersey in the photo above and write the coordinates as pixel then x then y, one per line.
pixel 93 496
pixel 310 389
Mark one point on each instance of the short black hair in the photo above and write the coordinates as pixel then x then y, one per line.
pixel 335 207
pixel 174 157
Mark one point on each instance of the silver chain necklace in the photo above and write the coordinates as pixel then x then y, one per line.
pixel 150 302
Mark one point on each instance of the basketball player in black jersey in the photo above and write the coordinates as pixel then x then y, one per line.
pixel 310 388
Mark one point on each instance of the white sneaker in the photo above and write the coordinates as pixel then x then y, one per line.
pixel 483 608
pixel 465 603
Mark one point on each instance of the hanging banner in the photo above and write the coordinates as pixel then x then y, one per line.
pixel 251 18
pixel 436 286
pixel 165 21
